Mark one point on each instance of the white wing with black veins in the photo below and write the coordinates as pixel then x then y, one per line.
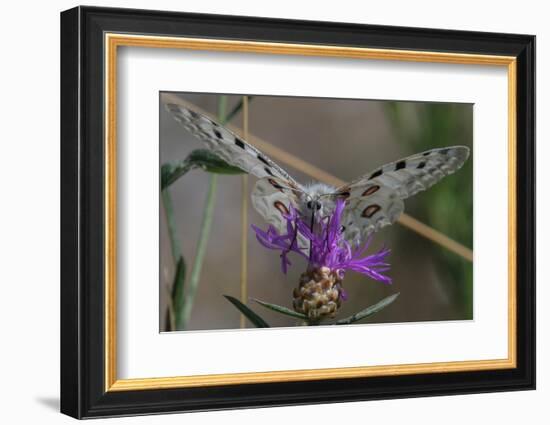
pixel 228 146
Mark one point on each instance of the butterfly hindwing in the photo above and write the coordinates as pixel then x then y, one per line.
pixel 370 208
pixel 375 200
pixel 272 198
pixel 228 146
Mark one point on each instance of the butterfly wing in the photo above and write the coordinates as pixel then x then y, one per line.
pixel 375 200
pixel 228 146
pixel 272 198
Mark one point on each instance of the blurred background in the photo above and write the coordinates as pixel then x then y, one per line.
pixel 346 138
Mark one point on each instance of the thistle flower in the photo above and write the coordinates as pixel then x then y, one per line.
pixel 329 255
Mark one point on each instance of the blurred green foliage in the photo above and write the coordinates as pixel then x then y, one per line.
pixel 199 158
pixel 447 206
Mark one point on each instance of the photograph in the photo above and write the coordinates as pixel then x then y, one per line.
pixel 280 211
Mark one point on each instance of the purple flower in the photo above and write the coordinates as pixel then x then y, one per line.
pixel 327 245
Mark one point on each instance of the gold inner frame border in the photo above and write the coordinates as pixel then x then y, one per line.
pixel 113 40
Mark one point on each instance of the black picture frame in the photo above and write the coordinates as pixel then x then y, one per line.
pixel 83 392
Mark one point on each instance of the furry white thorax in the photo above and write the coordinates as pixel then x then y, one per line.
pixel 315 198
pixel 316 189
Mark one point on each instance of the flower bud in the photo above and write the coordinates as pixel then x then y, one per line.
pixel 318 293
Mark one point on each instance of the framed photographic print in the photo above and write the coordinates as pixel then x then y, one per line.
pixel 262 212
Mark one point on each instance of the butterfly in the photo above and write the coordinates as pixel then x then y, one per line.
pixel 372 201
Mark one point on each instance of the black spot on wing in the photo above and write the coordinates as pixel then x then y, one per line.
pixel 426 153
pixel 261 158
pixel 218 134
pixel 239 143
pixel 375 174
pixel 268 171
pixel 400 165
pixel 421 165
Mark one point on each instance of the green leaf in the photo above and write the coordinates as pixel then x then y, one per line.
pixel 363 314
pixel 178 288
pixel 250 315
pixel 282 310
pixel 211 162
pixel 199 158
pixel 169 172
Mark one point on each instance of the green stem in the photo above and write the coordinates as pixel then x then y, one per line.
pixel 171 223
pixel 222 109
pixel 201 250
pixel 183 318
pixel 236 110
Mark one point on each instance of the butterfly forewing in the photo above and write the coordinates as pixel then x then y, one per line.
pixel 228 146
pixel 375 200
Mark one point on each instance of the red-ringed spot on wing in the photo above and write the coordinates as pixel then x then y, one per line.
pixel 281 207
pixel 370 210
pixel 371 190
pixel 275 184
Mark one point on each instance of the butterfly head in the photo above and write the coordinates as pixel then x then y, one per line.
pixel 318 200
